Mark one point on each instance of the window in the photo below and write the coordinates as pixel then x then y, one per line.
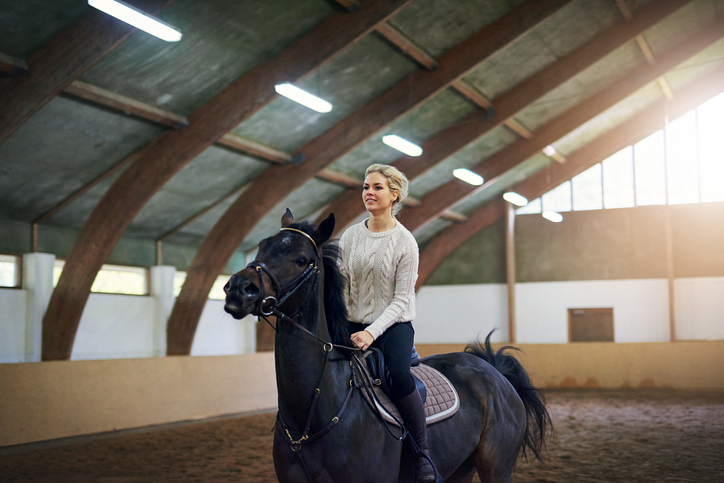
pixel 178 282
pixel 117 279
pixel 711 148
pixel 217 290
pixel 683 163
pixel 9 271
pixel 533 206
pixel 558 199
pixel 618 180
pixel 649 170
pixel 682 168
pixel 586 187
pixel 590 325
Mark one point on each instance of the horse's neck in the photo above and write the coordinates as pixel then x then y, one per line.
pixel 300 366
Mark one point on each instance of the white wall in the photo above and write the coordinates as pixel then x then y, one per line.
pixel 699 308
pixel 115 327
pixel 218 333
pixel 640 309
pixel 122 326
pixel 460 313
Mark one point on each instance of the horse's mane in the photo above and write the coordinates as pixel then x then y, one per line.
pixel 334 306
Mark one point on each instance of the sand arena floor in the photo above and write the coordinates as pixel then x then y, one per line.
pixel 600 436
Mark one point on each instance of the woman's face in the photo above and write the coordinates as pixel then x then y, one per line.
pixel 376 194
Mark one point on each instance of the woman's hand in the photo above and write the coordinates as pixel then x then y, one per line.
pixel 362 340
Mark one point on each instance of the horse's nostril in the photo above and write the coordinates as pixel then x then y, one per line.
pixel 232 284
pixel 249 289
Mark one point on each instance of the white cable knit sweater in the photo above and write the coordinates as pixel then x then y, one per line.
pixel 381 271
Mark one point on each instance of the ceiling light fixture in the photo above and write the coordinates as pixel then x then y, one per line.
pixel 303 97
pixel 515 198
pixel 549 150
pixel 468 176
pixel 402 145
pixel 553 216
pixel 137 18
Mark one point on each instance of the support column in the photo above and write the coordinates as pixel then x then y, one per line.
pixel 510 264
pixel 162 290
pixel 38 284
pixel 670 272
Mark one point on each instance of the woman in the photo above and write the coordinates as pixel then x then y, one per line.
pixel 380 259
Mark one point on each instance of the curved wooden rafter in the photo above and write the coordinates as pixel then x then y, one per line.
pixel 347 207
pixel 630 132
pixel 272 186
pixel 455 192
pixel 168 153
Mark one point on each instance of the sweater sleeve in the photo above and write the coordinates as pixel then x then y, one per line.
pixel 342 262
pixel 404 296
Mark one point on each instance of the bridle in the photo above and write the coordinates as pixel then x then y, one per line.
pixel 267 304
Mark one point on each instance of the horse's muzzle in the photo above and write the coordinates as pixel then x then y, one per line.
pixel 242 296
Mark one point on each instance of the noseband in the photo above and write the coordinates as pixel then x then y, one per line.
pixel 267 304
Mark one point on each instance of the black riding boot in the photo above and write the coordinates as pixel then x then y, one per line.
pixel 413 414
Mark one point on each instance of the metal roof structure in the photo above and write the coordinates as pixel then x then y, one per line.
pixel 115 145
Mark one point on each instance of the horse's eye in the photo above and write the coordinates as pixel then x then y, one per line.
pixel 301 261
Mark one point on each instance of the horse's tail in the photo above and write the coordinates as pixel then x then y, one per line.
pixel 539 422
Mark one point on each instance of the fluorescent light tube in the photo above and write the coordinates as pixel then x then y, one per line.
pixel 303 97
pixel 402 145
pixel 137 18
pixel 549 150
pixel 553 216
pixel 515 198
pixel 468 176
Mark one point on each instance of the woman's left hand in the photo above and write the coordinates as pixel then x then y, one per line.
pixel 362 340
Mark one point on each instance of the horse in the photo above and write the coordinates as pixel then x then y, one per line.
pixel 325 431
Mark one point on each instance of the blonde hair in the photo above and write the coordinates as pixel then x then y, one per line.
pixel 396 181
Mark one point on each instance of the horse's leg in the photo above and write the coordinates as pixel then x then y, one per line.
pixel 497 454
pixel 464 473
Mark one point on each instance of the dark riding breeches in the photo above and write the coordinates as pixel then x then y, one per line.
pixel 396 346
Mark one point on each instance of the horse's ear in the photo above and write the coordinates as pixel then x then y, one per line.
pixel 287 219
pixel 325 229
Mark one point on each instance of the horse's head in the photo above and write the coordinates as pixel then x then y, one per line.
pixel 280 271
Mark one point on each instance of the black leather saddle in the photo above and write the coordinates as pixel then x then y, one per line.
pixel 380 374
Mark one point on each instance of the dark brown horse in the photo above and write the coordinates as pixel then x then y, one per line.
pixel 325 430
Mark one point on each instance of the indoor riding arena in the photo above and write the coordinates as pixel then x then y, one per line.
pixel 565 161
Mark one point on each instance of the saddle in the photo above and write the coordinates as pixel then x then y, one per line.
pixel 440 399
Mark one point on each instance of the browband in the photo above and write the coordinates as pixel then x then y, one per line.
pixel 300 231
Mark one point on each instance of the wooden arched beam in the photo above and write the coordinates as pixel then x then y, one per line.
pixel 62 60
pixel 347 206
pixel 277 182
pixel 454 192
pixel 630 132
pixel 168 153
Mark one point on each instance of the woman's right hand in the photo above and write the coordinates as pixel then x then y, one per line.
pixel 362 340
